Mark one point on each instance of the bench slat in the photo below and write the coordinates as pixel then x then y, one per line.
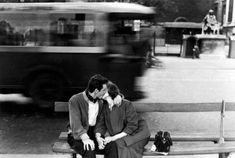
pixel 199 149
pixel 184 137
pixel 182 107
pixel 176 149
pixel 166 107
pixel 62 147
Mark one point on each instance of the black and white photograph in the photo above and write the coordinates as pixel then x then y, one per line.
pixel 117 78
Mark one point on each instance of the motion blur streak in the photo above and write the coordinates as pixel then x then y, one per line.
pixel 18 98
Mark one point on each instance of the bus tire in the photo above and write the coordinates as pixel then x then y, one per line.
pixel 45 89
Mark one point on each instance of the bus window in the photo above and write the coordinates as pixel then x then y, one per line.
pixel 74 30
pixel 30 27
pixel 126 37
pixel 7 35
pixel 54 29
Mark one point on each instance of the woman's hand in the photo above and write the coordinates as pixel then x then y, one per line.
pixel 114 138
pixel 117 100
pixel 108 140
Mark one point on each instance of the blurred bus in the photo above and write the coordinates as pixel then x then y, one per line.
pixel 50 50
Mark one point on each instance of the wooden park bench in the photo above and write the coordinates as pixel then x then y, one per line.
pixel 193 144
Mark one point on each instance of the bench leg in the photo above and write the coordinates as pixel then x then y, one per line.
pixel 74 155
pixel 224 155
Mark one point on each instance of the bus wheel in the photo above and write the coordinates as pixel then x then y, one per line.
pixel 45 89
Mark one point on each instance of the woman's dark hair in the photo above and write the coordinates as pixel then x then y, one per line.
pixel 113 90
pixel 96 82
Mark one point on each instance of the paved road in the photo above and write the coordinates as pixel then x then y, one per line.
pixel 175 79
pixel 189 80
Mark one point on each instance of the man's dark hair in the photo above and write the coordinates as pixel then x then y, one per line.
pixel 96 82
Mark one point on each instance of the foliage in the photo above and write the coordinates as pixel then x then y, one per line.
pixel 169 10
pixel 162 7
pixel 166 10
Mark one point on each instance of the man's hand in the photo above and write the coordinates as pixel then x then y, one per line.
pixel 117 100
pixel 100 141
pixel 108 140
pixel 88 143
pixel 153 148
pixel 114 138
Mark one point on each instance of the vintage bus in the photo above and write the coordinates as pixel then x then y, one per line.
pixel 49 50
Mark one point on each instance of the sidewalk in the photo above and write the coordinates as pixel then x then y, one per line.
pixel 177 49
pixel 177 79
pixel 69 156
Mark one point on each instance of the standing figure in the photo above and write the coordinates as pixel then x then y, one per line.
pixel 120 123
pixel 196 50
pixel 209 23
pixel 84 109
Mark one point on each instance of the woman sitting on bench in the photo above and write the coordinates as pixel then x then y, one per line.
pixel 123 126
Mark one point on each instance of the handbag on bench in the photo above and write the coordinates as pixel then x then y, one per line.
pixel 162 142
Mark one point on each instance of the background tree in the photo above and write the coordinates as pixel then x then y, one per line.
pixel 166 10
pixel 163 8
pixel 169 10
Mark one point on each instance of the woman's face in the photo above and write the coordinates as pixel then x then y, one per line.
pixel 101 93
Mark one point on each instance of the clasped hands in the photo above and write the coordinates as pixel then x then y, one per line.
pixel 103 141
pixel 90 145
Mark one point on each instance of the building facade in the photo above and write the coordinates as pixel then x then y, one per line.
pixel 228 15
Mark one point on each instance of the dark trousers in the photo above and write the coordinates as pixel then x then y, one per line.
pixel 110 150
pixel 208 30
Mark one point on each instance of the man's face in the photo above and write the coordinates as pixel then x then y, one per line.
pixel 101 93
